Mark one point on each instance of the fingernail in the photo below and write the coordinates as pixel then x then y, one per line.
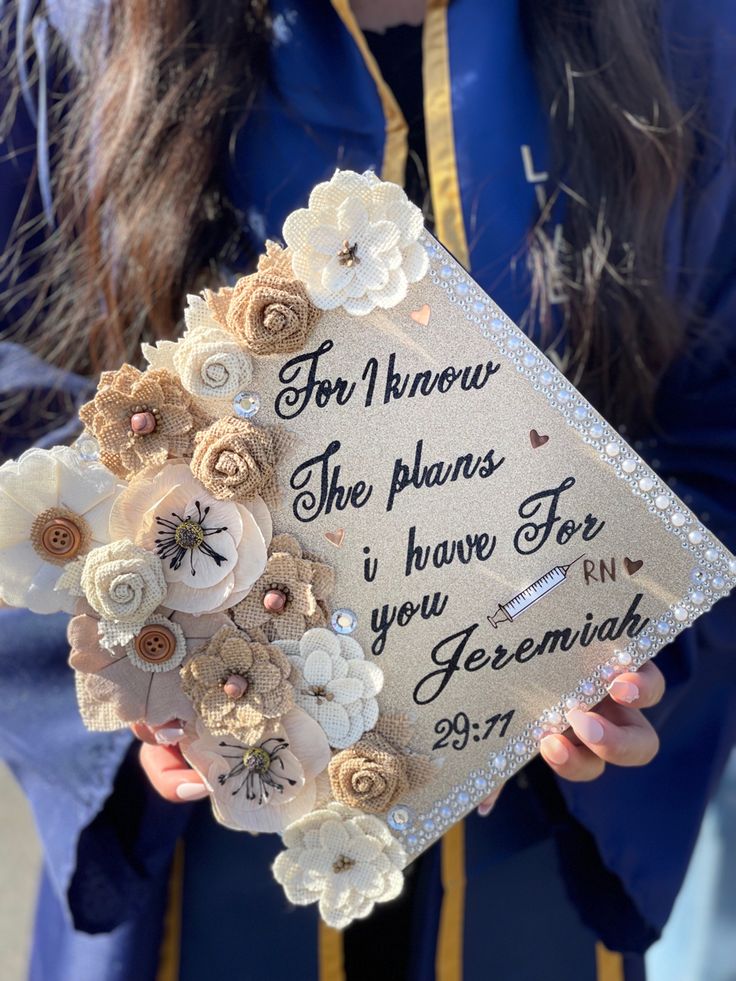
pixel 191 791
pixel 586 727
pixel 486 806
pixel 554 750
pixel 625 691
pixel 168 736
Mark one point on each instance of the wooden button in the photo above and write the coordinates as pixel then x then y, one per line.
pixel 61 538
pixel 155 644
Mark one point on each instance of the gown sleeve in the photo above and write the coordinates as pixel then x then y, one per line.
pixel 645 821
pixel 106 835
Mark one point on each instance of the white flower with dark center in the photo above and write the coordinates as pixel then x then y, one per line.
pixel 335 684
pixel 267 784
pixel 211 364
pixel 356 245
pixel 343 860
pixel 211 552
pixel 54 508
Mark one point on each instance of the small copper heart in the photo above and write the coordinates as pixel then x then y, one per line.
pixel 536 440
pixel 335 538
pixel 421 316
pixel 632 566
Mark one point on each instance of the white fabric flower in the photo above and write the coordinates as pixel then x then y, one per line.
pixel 121 581
pixel 335 684
pixel 267 785
pixel 211 552
pixel 356 245
pixel 209 361
pixel 54 507
pixel 343 860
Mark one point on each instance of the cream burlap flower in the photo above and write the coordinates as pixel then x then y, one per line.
pixel 54 508
pixel 122 582
pixel 357 244
pixel 290 597
pixel 238 686
pixel 345 861
pixel 141 419
pixel 379 769
pixel 335 683
pixel 236 460
pixel 269 311
pixel 209 361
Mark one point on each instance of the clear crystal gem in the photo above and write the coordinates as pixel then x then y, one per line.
pixel 343 621
pixel 400 817
pixel 87 448
pixel 246 404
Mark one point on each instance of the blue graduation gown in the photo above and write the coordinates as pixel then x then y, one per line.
pixel 623 842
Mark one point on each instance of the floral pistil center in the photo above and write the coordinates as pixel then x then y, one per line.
pixel 347 255
pixel 342 864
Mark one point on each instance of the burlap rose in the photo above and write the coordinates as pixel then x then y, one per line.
pixel 121 581
pixel 236 461
pixel 378 770
pixel 270 311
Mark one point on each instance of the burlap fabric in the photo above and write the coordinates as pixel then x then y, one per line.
pixel 379 769
pixel 123 393
pixel 237 460
pixel 269 311
pixel 265 671
pixel 306 583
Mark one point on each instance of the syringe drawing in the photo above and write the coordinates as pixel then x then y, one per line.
pixel 513 608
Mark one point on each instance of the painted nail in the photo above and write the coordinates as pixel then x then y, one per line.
pixel 168 736
pixel 625 691
pixel 486 806
pixel 586 727
pixel 191 791
pixel 554 750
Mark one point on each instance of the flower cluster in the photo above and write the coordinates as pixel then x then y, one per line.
pixel 187 608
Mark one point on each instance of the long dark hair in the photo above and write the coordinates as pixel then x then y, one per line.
pixel 142 220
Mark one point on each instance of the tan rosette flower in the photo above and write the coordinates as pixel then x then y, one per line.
pixel 237 685
pixel 290 597
pixel 270 311
pixel 236 460
pixel 140 419
pixel 379 770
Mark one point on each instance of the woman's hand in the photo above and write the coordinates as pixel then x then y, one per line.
pixel 613 732
pixel 165 767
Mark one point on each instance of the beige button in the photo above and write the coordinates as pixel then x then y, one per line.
pixel 61 537
pixel 155 644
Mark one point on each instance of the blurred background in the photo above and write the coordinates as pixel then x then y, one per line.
pixel 698 945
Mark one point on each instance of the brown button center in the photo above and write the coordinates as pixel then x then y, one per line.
pixel 61 537
pixel 155 644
